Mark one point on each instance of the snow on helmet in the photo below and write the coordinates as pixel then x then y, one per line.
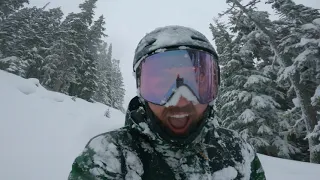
pixel 170 37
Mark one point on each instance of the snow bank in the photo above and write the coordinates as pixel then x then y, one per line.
pixel 41 132
pixel 281 169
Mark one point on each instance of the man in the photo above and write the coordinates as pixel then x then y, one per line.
pixel 170 133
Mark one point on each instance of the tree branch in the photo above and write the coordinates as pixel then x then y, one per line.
pixel 297 122
pixel 45 6
pixel 227 11
pixel 253 2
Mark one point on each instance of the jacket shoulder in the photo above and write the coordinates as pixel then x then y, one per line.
pixel 229 136
pixel 102 157
pixel 110 136
pixel 230 141
pixel 240 151
pixel 227 132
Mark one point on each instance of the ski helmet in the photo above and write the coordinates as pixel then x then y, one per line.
pixel 171 37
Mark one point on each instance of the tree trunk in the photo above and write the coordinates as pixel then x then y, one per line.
pixel 308 111
pixel 57 85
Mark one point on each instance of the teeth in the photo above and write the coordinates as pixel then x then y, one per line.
pixel 179 116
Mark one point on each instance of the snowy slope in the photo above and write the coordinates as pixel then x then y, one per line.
pixel 41 132
pixel 281 169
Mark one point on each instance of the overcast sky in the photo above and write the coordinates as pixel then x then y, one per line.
pixel 127 21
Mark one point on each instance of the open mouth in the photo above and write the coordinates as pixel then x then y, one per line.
pixel 179 123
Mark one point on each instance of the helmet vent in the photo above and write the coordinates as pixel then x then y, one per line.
pixel 198 38
pixel 149 43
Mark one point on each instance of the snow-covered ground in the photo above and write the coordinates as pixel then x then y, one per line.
pixel 41 132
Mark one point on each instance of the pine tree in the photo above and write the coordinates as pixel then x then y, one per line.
pixel 73 62
pixel 109 73
pixel 285 59
pixel 90 79
pixel 89 82
pixel 13 32
pixel 301 44
pixel 8 7
pixel 248 100
pixel 54 62
pixel 44 25
pixel 26 35
pixel 70 57
pixel 85 83
pixel 87 11
pixel 296 13
pixel 293 126
pixel 117 87
pixel 104 71
pixel 75 38
pixel 64 55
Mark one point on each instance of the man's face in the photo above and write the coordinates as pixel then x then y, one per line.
pixel 180 118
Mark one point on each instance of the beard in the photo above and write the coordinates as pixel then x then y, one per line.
pixel 193 120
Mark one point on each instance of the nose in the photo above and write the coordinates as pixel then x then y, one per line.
pixel 182 102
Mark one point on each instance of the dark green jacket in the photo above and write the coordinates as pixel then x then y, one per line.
pixel 134 152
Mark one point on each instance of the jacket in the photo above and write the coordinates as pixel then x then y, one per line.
pixel 135 152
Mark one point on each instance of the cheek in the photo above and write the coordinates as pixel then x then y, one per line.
pixel 200 108
pixel 156 109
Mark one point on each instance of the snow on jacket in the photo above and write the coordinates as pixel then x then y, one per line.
pixel 134 153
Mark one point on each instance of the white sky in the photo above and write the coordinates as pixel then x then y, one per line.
pixel 127 21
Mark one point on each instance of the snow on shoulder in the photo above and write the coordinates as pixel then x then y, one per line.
pixel 316 21
pixel 228 173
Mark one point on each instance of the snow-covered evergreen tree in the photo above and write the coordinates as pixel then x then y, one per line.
pixel 110 72
pixel 59 68
pixel 76 31
pixel 26 35
pixel 117 87
pixel 13 32
pixel 86 77
pixel 110 85
pixel 8 7
pixel 104 74
pixel 301 43
pixel 248 97
pixel 90 78
pixel 288 61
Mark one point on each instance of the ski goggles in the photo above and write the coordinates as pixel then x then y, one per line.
pixel 162 74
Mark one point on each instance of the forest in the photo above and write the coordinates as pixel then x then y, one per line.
pixel 66 53
pixel 270 76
